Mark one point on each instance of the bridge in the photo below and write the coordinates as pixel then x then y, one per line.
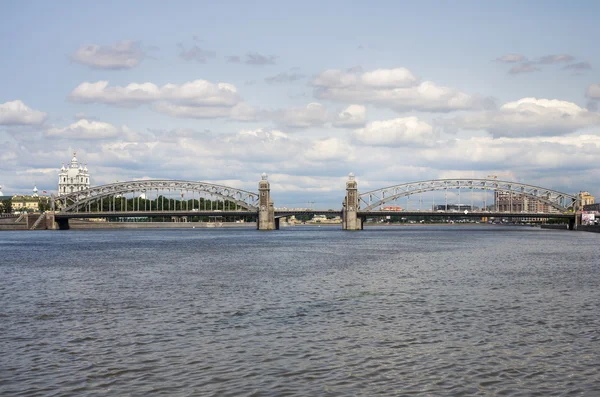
pixel 172 198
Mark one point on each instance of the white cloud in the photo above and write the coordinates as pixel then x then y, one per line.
pixel 122 55
pixel 407 131
pixel 194 93
pixel 521 155
pixel 352 116
pixel 389 78
pixel 244 149
pixel 382 78
pixel 312 115
pixel 330 149
pixel 593 91
pixel 529 117
pixel 301 164
pixel 91 130
pixel 244 112
pixel 239 112
pixel 17 113
pixel 397 89
pixel 196 99
pixel 194 112
pixel 270 135
pixel 335 78
pixel 84 129
pixel 172 135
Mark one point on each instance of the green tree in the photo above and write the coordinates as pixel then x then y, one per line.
pixel 43 205
pixel 7 206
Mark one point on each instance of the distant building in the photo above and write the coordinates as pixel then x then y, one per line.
pixel 586 198
pixel 324 219
pixel 319 219
pixel 517 202
pixel 74 178
pixel 33 202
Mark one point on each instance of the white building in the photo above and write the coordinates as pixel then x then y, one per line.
pixel 74 178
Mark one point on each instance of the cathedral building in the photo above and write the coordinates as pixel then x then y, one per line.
pixel 73 178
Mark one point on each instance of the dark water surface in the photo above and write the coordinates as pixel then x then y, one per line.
pixel 427 311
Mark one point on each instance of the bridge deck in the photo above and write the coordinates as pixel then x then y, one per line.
pixel 474 214
pixel 146 214
pixel 279 213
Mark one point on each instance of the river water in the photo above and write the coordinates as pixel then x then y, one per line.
pixel 423 310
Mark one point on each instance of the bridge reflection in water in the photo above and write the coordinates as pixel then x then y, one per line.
pixel 171 198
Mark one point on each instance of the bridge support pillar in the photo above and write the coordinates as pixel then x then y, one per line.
pixel 266 210
pixel 51 221
pixel 573 223
pixel 63 223
pixel 351 220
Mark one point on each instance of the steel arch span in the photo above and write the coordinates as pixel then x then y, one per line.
pixel 558 200
pixel 73 201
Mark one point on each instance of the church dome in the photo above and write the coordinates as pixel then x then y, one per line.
pixel 72 172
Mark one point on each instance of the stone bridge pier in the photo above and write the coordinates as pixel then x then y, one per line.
pixel 266 210
pixel 350 218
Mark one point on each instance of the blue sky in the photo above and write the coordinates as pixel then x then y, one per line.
pixel 305 91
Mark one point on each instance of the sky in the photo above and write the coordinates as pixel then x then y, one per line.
pixel 306 92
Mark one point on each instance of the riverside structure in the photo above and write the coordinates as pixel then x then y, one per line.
pixel 147 198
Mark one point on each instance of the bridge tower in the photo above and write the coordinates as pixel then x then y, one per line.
pixel 266 211
pixel 350 220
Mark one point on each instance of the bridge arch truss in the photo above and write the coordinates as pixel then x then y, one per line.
pixel 74 201
pixel 558 200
